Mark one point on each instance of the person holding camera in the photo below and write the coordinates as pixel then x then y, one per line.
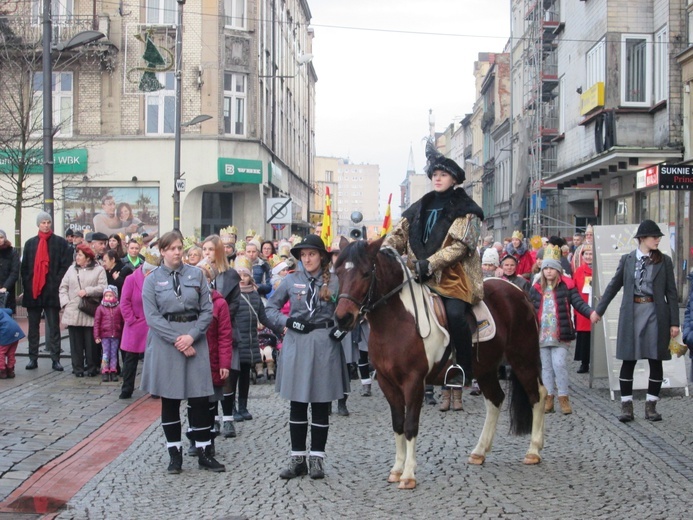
pixel 311 366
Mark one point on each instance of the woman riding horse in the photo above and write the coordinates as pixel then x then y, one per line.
pixel 439 234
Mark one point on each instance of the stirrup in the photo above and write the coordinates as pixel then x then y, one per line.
pixel 454 385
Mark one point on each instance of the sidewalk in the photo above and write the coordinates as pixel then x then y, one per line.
pixel 23 347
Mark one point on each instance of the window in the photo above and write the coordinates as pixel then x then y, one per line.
pixel 596 64
pixel 661 64
pixel 234 103
pixel 329 176
pixel 234 14
pixel 62 102
pixel 636 70
pixel 61 11
pixel 161 12
pixel 161 106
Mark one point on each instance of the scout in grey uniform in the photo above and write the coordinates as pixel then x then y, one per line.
pixel 311 366
pixel 648 318
pixel 178 310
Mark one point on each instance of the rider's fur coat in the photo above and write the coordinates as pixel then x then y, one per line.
pixel 450 249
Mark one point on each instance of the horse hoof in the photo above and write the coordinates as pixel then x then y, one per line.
pixel 475 459
pixel 531 459
pixel 394 476
pixel 409 483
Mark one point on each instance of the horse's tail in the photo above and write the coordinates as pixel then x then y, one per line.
pixel 520 407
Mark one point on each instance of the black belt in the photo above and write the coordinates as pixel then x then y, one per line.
pixel 643 299
pixel 181 318
pixel 324 325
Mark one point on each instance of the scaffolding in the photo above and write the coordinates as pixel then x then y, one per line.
pixel 540 102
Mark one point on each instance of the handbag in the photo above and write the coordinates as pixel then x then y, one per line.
pixel 88 304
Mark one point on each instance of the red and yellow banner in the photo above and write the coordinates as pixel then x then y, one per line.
pixel 387 221
pixel 326 233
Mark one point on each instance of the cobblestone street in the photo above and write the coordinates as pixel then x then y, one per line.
pixel 593 466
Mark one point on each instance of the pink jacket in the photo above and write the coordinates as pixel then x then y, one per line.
pixel 108 322
pixel 135 330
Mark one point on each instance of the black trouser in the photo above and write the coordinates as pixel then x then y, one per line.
pixel 198 418
pixel 298 426
pixel 130 360
pixel 242 378
pixel 625 377
pixel 364 365
pixel 52 331
pixel 82 348
pixel 460 334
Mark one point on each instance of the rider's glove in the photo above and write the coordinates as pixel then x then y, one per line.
pixel 422 270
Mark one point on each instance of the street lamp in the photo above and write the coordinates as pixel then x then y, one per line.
pixel 78 40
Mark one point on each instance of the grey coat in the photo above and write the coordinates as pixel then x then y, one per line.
pixel 665 302
pixel 167 372
pixel 311 367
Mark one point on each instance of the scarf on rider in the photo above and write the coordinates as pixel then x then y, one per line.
pixel 41 263
pixel 433 209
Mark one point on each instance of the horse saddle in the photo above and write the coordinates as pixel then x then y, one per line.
pixel 485 329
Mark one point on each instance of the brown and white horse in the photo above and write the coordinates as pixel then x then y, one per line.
pixel 376 282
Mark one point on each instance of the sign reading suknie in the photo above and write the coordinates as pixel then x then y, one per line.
pixel 676 177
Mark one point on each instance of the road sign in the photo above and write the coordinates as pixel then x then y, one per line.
pixel 180 184
pixel 278 227
pixel 279 211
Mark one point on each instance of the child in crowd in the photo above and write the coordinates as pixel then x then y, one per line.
pixel 108 330
pixel 490 263
pixel 552 296
pixel 10 334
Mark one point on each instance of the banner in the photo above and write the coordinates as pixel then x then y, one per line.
pixel 326 232
pixel 113 210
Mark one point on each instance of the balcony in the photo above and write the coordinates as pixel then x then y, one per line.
pixel 28 30
pixel 488 118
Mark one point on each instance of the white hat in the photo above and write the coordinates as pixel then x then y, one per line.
pixel 490 257
pixel 279 268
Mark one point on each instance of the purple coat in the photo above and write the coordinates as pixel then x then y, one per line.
pixel 135 330
pixel 108 322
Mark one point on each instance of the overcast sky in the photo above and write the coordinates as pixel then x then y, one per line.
pixel 375 87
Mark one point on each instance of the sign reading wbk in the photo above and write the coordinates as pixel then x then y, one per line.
pixel 64 161
pixel 239 170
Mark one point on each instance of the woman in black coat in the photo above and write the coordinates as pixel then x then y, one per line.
pixel 9 271
pixel 116 270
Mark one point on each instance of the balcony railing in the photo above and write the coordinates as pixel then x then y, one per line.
pixel 29 29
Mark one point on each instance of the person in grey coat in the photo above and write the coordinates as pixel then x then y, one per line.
pixel 311 367
pixel 178 310
pixel 648 318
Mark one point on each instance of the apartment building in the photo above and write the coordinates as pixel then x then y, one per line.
pixel 245 71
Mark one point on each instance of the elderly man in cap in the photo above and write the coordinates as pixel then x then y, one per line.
pixel 45 260
pixel 99 244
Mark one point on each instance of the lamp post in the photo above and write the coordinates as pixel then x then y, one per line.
pixel 77 40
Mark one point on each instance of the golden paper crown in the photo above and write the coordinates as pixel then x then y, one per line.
pixel 233 230
pixel 518 234
pixel 240 246
pixel 243 262
pixel 137 238
pixel 284 251
pixel 188 242
pixel 295 239
pixel 552 253
pixel 259 238
pixel 250 233
pixel 150 257
pixel 122 236
pixel 276 260
pixel 535 242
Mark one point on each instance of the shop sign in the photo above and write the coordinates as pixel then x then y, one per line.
pixel 592 98
pixel 64 161
pixel 676 177
pixel 647 178
pixel 239 170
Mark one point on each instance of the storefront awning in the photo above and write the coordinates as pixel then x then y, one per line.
pixel 612 162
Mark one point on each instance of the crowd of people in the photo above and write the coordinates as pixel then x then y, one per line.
pixel 209 315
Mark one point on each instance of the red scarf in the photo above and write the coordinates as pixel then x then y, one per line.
pixel 41 264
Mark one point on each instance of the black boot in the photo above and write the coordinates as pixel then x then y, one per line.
pixel 297 467
pixel 206 460
pixel 341 407
pixel 626 411
pixel 243 409
pixel 228 430
pixel 236 413
pixel 317 468
pixel 175 465
pixel 429 397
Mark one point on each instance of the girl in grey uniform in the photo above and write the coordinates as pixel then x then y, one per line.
pixel 311 366
pixel 648 318
pixel 178 310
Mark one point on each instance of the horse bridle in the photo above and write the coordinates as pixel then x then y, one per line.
pixel 365 305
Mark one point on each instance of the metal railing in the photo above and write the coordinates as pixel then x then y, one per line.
pixel 30 30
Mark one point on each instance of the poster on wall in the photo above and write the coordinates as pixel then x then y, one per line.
pixel 112 210
pixel 610 244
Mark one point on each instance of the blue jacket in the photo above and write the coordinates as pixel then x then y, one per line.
pixel 688 316
pixel 10 331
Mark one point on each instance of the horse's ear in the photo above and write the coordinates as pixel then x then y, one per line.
pixel 374 247
pixel 343 242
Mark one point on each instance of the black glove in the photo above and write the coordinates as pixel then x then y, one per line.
pixel 337 334
pixel 298 325
pixel 421 271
